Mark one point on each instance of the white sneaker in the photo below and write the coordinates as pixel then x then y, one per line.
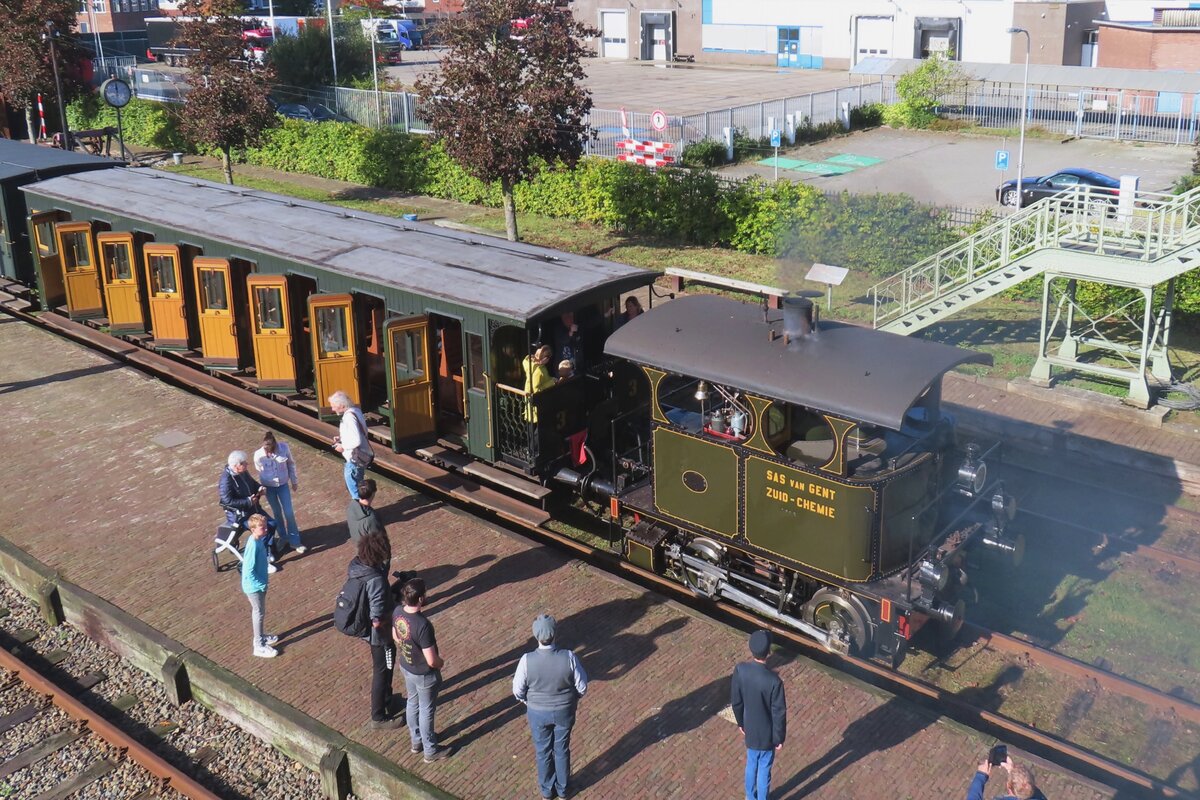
pixel 265 651
pixel 272 569
pixel 301 549
pixel 270 557
pixel 270 638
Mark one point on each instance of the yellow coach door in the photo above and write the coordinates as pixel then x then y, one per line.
pixel 272 334
pixel 77 253
pixel 118 264
pixel 50 275
pixel 335 363
pixel 168 317
pixel 410 386
pixel 214 301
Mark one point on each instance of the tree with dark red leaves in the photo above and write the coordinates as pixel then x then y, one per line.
pixel 228 107
pixel 508 94
pixel 25 55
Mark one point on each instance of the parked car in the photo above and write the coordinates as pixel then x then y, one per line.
pixel 1038 187
pixel 311 113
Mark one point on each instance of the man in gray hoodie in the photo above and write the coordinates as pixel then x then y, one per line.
pixel 550 681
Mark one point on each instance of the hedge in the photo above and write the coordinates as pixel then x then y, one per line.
pixel 143 122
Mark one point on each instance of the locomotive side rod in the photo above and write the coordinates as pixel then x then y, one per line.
pixel 432 480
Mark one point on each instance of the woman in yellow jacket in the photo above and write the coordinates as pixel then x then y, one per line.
pixel 537 377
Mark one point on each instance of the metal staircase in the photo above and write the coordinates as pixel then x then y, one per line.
pixel 1081 235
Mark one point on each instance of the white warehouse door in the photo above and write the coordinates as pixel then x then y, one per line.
pixel 614 34
pixel 873 39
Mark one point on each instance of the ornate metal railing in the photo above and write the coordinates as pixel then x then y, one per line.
pixel 1082 219
pixel 514 431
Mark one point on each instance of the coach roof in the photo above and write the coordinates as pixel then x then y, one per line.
pixel 859 373
pixel 22 158
pixel 509 279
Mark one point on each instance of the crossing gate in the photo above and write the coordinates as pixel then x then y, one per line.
pixel 646 153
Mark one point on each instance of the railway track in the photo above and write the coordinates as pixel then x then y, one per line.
pixel 292 416
pixel 84 728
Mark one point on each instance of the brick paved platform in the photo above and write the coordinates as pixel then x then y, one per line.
pixel 111 479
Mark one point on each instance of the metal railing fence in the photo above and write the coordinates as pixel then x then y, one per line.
pixel 1098 113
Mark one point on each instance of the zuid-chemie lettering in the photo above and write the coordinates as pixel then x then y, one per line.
pixel 802 494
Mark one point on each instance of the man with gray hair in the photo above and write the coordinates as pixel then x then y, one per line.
pixel 550 681
pixel 351 441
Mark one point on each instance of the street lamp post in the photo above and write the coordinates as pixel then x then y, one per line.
pixel 1024 113
pixel 332 44
pixel 50 35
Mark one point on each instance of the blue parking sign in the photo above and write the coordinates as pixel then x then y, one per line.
pixel 775 139
pixel 1001 159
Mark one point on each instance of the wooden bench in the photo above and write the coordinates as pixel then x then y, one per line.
pixel 683 58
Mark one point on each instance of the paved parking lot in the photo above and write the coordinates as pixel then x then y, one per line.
pixel 677 89
pixel 956 170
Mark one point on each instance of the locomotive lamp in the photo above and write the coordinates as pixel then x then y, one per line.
pixel 935 576
pixel 972 475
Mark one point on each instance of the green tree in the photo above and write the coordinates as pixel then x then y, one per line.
pixel 25 68
pixel 227 107
pixel 923 90
pixel 305 60
pixel 509 98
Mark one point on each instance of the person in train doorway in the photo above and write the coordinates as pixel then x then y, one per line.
pixel 417 651
pixel 351 441
pixel 241 497
pixel 550 681
pixel 277 474
pixel 537 376
pixel 568 343
pixel 255 569
pixel 373 555
pixel 361 517
pixel 633 309
pixel 1020 786
pixel 760 708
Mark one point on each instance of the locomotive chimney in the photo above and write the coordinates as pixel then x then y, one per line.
pixel 799 319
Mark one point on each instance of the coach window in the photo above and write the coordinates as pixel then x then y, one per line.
pixel 162 274
pixel 475 360
pixel 331 331
pixel 269 304
pixel 44 233
pixel 77 256
pixel 811 439
pixel 212 285
pixel 116 256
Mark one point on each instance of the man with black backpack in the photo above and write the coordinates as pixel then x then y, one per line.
pixel 364 610
pixel 352 441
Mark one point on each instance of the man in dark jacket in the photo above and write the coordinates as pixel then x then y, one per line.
pixel 360 515
pixel 761 712
pixel 1021 784
pixel 370 565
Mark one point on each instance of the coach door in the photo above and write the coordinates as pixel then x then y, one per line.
pixel 77 253
pixel 335 364
pixel 118 264
pixel 50 276
pixel 272 334
pixel 214 301
pixel 410 386
pixel 168 316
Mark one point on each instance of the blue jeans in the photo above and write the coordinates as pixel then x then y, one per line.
pixel 419 712
pixel 758 773
pixel 552 745
pixel 280 498
pixel 353 474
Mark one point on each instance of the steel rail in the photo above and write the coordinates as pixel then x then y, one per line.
pixel 1148 551
pixel 417 472
pixel 138 753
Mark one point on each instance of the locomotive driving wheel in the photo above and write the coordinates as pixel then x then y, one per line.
pixel 844 618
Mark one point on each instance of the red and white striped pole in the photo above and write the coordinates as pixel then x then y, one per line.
pixel 41 118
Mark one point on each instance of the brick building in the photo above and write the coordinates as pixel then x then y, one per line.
pixel 1171 42
pixel 106 16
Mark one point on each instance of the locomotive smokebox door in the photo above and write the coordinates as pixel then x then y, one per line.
pixel 644 546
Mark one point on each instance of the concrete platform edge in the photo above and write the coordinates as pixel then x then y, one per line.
pixel 344 766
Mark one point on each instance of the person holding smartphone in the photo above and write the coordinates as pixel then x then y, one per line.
pixel 1020 786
